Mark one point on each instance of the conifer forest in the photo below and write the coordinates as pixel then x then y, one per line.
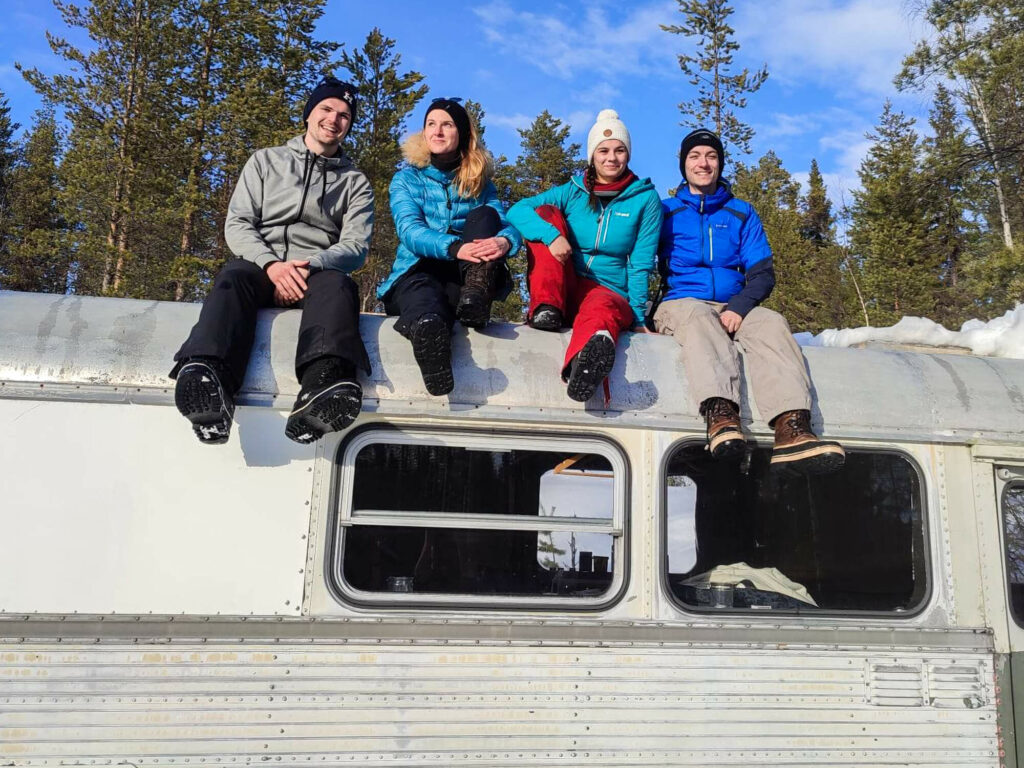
pixel 120 185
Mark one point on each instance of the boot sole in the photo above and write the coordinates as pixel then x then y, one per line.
pixel 594 363
pixel 432 348
pixel 329 411
pixel 817 457
pixel 200 398
pixel 727 444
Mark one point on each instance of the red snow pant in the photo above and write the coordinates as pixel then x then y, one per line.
pixel 587 304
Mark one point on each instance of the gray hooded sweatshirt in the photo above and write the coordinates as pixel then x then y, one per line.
pixel 292 204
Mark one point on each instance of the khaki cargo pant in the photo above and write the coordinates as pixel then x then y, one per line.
pixel 778 374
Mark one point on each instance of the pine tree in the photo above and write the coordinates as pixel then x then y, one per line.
pixel 979 45
pixel 386 98
pixel 818 223
pixel 720 94
pixel 803 289
pixel 117 177
pixel 36 258
pixel 544 160
pixel 225 48
pixel 950 186
pixel 8 157
pixel 890 224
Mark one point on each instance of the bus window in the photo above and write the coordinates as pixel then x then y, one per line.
pixel 771 540
pixel 443 514
pixel 1013 531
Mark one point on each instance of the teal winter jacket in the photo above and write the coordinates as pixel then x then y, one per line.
pixel 616 245
pixel 428 211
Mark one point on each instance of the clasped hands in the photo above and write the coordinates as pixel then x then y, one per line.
pixel 488 249
pixel 289 279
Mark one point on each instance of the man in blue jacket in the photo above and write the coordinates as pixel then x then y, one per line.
pixel 717 269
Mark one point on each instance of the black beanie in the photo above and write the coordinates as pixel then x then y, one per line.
pixel 702 137
pixel 457 113
pixel 332 87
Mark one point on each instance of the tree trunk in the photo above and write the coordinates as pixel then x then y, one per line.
pixel 985 132
pixel 195 168
pixel 117 234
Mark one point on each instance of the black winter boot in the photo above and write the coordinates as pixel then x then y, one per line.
pixel 547 318
pixel 432 348
pixel 590 366
pixel 478 286
pixel 330 400
pixel 202 398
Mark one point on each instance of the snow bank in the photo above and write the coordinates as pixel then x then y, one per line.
pixel 1001 337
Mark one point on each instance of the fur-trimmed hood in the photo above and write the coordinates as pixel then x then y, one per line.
pixel 417 154
pixel 415 150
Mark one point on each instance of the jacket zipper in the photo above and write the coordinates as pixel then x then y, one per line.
pixel 597 236
pixel 302 202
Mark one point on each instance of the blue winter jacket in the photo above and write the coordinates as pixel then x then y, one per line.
pixel 426 207
pixel 615 245
pixel 713 247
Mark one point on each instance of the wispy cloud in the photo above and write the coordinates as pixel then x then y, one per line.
pixel 856 45
pixel 592 42
pixel 508 122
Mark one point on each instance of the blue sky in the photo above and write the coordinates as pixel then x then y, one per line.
pixel 831 64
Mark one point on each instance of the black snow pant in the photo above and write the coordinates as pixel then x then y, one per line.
pixel 432 286
pixel 227 322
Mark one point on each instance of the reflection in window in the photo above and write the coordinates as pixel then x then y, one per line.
pixel 500 521
pixel 1013 526
pixel 851 541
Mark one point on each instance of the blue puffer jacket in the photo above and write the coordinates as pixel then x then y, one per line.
pixel 713 247
pixel 614 246
pixel 425 207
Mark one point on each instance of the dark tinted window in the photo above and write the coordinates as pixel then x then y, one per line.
pixel 500 520
pixel 850 541
pixel 1013 531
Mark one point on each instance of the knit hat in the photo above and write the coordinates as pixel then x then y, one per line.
pixel 457 113
pixel 702 137
pixel 608 126
pixel 332 87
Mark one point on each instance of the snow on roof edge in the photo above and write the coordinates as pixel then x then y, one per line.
pixel 999 337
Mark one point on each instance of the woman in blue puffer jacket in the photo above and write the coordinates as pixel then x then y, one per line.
pixel 453 240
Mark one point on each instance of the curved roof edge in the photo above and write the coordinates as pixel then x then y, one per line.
pixel 509 371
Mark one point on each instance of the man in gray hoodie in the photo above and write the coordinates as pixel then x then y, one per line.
pixel 299 222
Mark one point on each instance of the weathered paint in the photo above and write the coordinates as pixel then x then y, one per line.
pixel 141 630
pixel 599 707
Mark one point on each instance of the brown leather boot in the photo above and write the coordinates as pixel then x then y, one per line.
pixel 724 436
pixel 478 286
pixel 799 449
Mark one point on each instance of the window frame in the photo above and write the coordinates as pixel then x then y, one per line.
pixel 1012 481
pixel 342 517
pixel 746 614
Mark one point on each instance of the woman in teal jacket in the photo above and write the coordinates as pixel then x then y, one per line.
pixel 592 245
pixel 453 240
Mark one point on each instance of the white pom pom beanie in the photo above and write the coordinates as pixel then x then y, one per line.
pixel 608 126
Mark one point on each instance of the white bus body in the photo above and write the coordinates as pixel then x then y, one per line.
pixel 168 603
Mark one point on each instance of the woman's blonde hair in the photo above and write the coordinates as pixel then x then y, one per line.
pixel 477 165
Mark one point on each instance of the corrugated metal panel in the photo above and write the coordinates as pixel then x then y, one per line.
pixel 378 704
